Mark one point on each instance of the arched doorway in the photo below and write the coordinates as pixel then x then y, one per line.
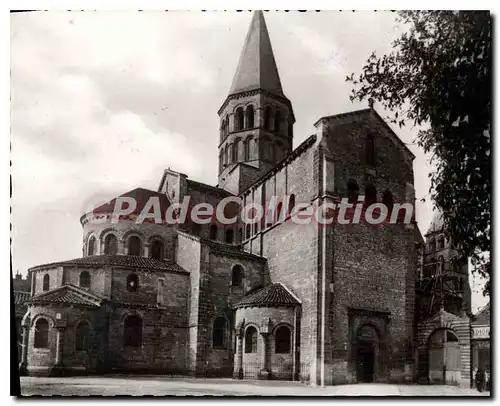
pixel 367 351
pixel 444 357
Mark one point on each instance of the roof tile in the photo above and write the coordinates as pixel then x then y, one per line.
pixel 275 294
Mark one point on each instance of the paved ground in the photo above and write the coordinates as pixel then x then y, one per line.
pixel 162 386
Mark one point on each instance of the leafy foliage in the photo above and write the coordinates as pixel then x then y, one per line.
pixel 439 76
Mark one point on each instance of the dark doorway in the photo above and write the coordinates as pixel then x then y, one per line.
pixel 366 354
pixel 365 363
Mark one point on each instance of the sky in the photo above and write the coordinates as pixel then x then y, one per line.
pixel 102 102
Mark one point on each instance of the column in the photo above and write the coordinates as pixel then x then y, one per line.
pixel 238 368
pixel 23 366
pixel 146 250
pixel 264 372
pixel 58 365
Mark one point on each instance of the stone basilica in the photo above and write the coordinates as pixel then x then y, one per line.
pixel 272 300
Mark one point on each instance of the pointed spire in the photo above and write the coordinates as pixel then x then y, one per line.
pixel 257 67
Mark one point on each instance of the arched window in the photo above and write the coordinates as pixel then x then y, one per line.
pixel 440 243
pixel 291 204
pixel 250 117
pixel 132 282
pixel 370 150
pixel 134 246
pixel 251 340
pixel 267 117
pixel 157 250
pixel 132 334
pixel 91 246
pixel 42 333
pixel 277 121
pixel 229 236
pixel 46 282
pixel 388 200
pixel 110 245
pixel 352 190
pixel 370 195
pixel 279 211
pixel 237 275
pixel 85 280
pixel 226 127
pixel 82 336
pixel 248 231
pixel 213 232
pixel 219 333
pixel 226 158
pixel 237 150
pixel 247 145
pixel 239 123
pixel 221 160
pixel 283 340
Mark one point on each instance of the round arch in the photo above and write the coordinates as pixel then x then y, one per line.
pixel 444 356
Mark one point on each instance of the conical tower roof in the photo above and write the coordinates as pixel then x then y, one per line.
pixel 257 67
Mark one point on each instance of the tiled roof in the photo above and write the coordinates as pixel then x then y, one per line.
pixel 483 316
pixel 192 184
pixel 275 294
pixel 230 250
pixel 21 297
pixel 141 197
pixel 68 294
pixel 126 261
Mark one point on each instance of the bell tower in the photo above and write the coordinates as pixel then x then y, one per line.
pixel 256 119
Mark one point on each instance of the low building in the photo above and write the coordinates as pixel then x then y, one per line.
pixel 480 336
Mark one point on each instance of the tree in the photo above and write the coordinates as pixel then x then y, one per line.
pixel 438 76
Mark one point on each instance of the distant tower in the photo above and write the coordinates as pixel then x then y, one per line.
pixel 444 280
pixel 256 119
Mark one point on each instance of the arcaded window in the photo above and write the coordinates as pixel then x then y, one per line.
pixel 352 191
pixel 91 246
pixel 250 117
pixel 370 195
pixel 370 150
pixel 388 200
pixel 277 121
pixel 42 333
pixel 85 279
pixel 132 334
pixel 132 282
pixel 226 127
pixel 134 246
pixel 283 340
pixel 229 236
pixel 157 250
pixel 82 336
pixel 237 275
pixel 110 245
pixel 46 282
pixel 251 340
pixel 219 333
pixel 239 119
pixel 267 117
